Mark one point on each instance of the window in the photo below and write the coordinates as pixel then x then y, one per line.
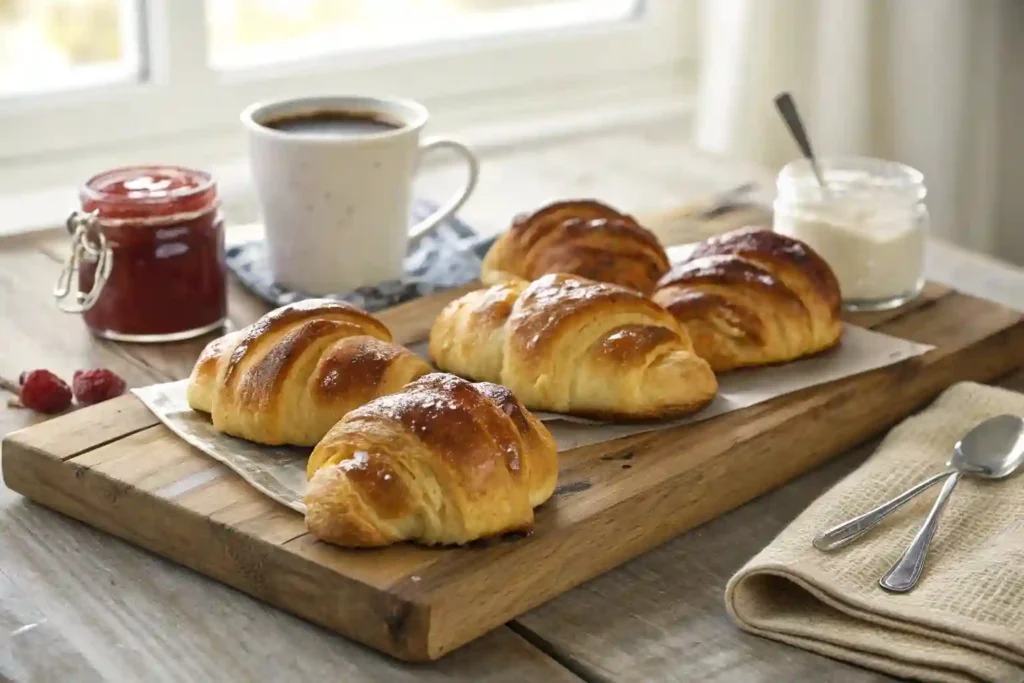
pixel 128 80
pixel 244 33
pixel 48 45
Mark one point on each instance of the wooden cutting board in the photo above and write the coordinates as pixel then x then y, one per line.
pixel 115 467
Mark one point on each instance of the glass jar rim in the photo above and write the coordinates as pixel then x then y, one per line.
pixel 902 176
pixel 88 191
pixel 142 209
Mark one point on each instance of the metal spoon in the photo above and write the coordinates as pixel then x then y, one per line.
pixel 727 201
pixel 787 109
pixel 993 449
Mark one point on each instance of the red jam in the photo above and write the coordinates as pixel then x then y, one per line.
pixel 165 233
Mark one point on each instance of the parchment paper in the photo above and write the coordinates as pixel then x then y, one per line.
pixel 280 472
pixel 861 350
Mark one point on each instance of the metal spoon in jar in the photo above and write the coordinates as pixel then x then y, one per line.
pixel 791 117
pixel 993 449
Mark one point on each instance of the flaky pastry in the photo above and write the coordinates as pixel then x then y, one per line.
pixel 582 237
pixel 289 376
pixel 443 461
pixel 571 345
pixel 754 297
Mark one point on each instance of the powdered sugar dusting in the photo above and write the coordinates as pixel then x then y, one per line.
pixel 360 460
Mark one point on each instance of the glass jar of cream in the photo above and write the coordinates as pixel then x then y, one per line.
pixel 869 224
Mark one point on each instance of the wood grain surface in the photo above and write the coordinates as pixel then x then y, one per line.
pixel 114 467
pixel 80 605
pixel 665 607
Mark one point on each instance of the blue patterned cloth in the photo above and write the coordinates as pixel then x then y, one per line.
pixel 448 257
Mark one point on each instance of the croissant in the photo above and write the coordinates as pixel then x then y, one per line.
pixel 585 238
pixel 754 297
pixel 289 376
pixel 571 345
pixel 443 461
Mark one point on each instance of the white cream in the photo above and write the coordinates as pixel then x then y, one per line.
pixel 870 227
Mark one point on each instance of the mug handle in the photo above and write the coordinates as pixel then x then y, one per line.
pixel 430 223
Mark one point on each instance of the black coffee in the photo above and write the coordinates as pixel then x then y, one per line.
pixel 332 123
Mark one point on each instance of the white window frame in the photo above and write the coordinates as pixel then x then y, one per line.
pixel 184 104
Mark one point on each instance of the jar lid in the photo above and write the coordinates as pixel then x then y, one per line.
pixel 154 191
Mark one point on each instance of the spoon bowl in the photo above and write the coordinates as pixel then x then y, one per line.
pixel 994 449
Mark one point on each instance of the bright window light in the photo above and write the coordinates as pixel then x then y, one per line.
pixel 246 33
pixel 53 45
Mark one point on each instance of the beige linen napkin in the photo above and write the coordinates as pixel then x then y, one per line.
pixel 963 621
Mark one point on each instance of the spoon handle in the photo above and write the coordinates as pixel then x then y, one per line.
pixel 727 201
pixel 842 534
pixel 786 106
pixel 903 575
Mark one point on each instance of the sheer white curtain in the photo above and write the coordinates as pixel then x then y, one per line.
pixel 933 83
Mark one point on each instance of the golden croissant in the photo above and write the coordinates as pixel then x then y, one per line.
pixel 571 345
pixel 583 237
pixel 754 297
pixel 443 461
pixel 289 376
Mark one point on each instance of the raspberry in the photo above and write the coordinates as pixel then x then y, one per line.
pixel 44 392
pixel 95 386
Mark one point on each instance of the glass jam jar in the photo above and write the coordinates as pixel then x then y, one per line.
pixel 147 257
pixel 869 224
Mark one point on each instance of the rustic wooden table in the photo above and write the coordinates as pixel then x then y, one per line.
pixel 77 605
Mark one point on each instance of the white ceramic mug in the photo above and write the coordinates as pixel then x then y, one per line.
pixel 336 208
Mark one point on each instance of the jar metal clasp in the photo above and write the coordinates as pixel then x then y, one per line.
pixel 87 244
